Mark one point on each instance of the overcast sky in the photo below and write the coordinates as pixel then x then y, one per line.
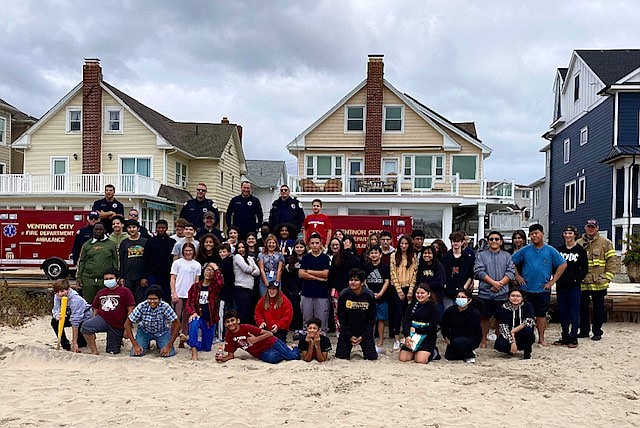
pixel 274 67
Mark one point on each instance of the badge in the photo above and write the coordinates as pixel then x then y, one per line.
pixel 293 206
pixel 204 210
pixel 249 203
pixel 114 205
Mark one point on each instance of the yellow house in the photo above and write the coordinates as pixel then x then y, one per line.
pixel 379 151
pixel 98 135
pixel 13 123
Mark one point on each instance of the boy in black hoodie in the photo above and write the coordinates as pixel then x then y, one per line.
pixel 357 316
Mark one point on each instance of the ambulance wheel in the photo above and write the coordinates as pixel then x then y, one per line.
pixel 55 269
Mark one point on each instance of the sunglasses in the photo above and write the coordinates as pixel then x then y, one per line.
pixel 284 190
pixel 494 239
pixel 201 190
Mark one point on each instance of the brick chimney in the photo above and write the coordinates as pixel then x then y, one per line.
pixel 224 120
pixel 239 128
pixel 373 133
pixel 91 116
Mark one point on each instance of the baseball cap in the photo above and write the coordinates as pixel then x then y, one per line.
pixel 570 228
pixel 131 223
pixel 209 214
pixel 94 215
pixel 592 222
pixel 273 284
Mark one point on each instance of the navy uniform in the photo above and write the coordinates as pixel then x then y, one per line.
pixel 82 236
pixel 194 209
pixel 286 211
pixel 245 214
pixel 104 205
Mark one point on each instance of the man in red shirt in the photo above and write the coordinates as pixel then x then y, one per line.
pixel 111 308
pixel 317 222
pixel 256 341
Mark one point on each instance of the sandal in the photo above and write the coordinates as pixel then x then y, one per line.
pixel 560 343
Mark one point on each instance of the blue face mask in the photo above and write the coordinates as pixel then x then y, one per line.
pixel 110 283
pixel 462 301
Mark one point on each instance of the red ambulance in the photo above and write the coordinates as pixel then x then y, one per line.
pixel 361 226
pixel 39 238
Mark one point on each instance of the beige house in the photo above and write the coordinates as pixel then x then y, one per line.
pixel 379 151
pixel 13 123
pixel 98 135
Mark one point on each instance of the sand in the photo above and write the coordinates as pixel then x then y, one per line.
pixel 596 384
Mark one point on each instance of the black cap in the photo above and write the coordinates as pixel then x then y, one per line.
pixel 94 215
pixel 131 222
pixel 570 228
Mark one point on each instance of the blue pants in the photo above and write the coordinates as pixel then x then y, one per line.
pixel 569 308
pixel 162 339
pixel 206 341
pixel 280 352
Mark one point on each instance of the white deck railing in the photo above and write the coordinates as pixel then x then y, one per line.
pixel 130 184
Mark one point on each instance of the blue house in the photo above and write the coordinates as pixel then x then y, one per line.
pixel 595 144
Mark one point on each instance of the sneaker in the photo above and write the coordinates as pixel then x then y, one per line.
pixel 470 360
pixel 396 345
pixel 492 337
pixel 560 342
pixel 380 350
pixel 596 337
pixel 573 344
pixel 583 335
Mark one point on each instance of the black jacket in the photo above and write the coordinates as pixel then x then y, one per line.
pixel 193 211
pixel 288 211
pixel 457 323
pixel 245 214
pixel 157 255
pixel 423 312
pixel 577 266
pixel 356 312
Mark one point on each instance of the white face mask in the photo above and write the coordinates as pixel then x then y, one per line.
pixel 110 283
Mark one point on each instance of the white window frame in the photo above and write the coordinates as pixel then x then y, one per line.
pixel 148 217
pixel 584 135
pixel 536 197
pixel 121 157
pixel 576 88
pixel 107 120
pixel 181 178
pixel 68 120
pixel 3 168
pixel 336 171
pixel 566 151
pixel 582 190
pixel 59 182
pixel 569 205
pixel 437 174
pixel 346 119
pixel 3 131
pixel 384 119
pixel 477 173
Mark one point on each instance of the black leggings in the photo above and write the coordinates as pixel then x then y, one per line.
pixel 524 341
pixel 82 343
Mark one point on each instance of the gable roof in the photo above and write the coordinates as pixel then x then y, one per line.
pixel 266 173
pixel 17 115
pixel 618 152
pixel 611 65
pixel 464 129
pixel 563 72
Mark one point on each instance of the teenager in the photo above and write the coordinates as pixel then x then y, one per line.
pixel 516 319
pixel 286 234
pixel 203 309
pixel 357 315
pixel 378 279
pixel 317 222
pixel 461 329
pixel 314 271
pixel 132 268
pixel 274 312
pixel 184 272
pixel 494 270
pixel 372 241
pixel 259 343
pixel 78 311
pixel 314 345
pixel 270 262
pixel 208 250
pixel 245 270
pixel 458 267
pixel 158 259
pixel 232 237
pixel 292 284
pixel 252 245
pixel 189 233
pixel 404 268
pixel 341 264
pixel 420 328
pixel 431 272
pixel 349 245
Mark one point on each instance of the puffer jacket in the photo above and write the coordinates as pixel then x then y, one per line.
pixel 603 262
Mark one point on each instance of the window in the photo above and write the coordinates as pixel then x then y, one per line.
pixel 423 170
pixel 584 136
pixel 113 120
pixel 536 197
pixel 74 119
pixel 221 178
pixel 567 150
pixel 393 118
pixel 526 194
pixel 140 166
pixel 148 218
pixel 558 105
pixel 3 168
pixel 570 196
pixel 181 174
pixel 3 130
pixel 465 165
pixel 576 87
pixel 323 166
pixel 582 190
pixel 59 171
pixel 354 118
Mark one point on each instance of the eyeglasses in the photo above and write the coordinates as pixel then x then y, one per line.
pixel 133 215
pixel 284 190
pixel 201 190
pixel 494 239
pixel 152 299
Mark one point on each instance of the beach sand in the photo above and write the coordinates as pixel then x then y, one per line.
pixel 596 384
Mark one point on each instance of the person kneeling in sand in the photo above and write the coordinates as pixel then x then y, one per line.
pixel 78 311
pixel 315 345
pixel 203 302
pixel 154 317
pixel 357 316
pixel 257 342
pixel 516 321
pixel 111 307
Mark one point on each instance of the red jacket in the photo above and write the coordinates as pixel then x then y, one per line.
pixel 281 316
pixel 214 298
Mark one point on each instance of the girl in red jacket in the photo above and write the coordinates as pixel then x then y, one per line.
pixel 274 311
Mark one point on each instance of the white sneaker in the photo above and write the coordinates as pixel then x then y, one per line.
pixel 380 350
pixel 492 337
pixel 470 360
pixel 396 345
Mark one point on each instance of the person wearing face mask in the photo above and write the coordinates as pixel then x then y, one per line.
pixel 111 307
pixel 461 329
pixel 516 319
pixel 420 328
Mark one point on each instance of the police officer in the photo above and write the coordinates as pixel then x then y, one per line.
pixel 286 209
pixel 244 211
pixel 108 207
pixel 193 210
pixel 83 235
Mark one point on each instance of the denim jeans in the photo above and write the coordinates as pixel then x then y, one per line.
pixel 569 308
pixel 162 339
pixel 206 341
pixel 280 352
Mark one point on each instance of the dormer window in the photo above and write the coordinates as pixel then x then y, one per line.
pixel 576 87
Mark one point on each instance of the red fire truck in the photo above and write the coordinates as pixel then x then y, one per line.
pixel 361 226
pixel 39 238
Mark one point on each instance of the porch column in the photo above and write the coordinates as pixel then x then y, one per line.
pixel 482 211
pixel 447 223
pixel 627 187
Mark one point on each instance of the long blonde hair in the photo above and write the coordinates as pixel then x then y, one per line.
pixel 278 300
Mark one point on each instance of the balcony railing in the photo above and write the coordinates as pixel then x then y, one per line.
pixel 498 189
pixel 129 184
pixel 366 184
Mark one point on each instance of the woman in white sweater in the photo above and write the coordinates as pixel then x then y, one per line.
pixel 244 269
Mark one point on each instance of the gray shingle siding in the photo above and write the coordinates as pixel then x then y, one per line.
pixel 598 176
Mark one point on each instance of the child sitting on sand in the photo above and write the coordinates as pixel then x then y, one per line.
pixel 257 342
pixel 315 345
pixel 78 311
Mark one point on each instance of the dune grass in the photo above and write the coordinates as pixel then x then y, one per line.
pixel 17 306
